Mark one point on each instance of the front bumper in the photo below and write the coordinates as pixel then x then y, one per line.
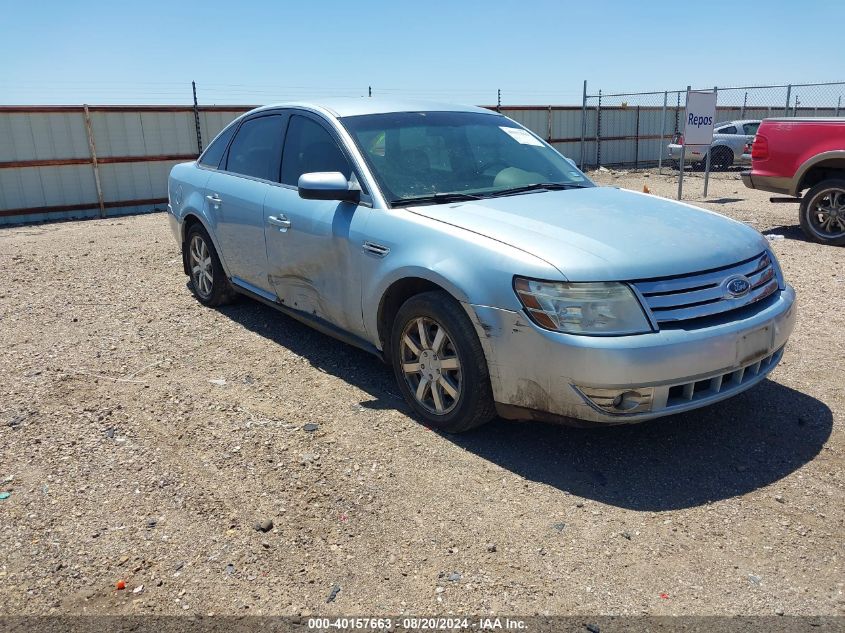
pixel 540 374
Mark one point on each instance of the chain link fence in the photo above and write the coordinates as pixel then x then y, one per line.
pixel 637 130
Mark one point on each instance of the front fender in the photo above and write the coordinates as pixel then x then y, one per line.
pixel 474 269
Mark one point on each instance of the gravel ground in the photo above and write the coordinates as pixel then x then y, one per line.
pixel 143 437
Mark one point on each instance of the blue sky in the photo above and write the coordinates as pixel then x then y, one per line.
pixel 538 52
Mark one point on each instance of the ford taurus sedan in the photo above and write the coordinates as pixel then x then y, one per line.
pixel 491 274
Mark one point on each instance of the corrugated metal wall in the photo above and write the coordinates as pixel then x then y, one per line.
pixel 47 172
pixel 46 166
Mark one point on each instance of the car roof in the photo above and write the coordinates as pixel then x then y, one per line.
pixel 736 122
pixel 354 106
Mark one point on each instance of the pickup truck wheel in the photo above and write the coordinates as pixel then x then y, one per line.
pixel 439 363
pixel 822 213
pixel 208 280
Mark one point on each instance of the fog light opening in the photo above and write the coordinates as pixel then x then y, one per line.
pixel 627 400
pixel 619 401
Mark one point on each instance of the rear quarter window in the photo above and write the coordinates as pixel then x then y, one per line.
pixel 214 152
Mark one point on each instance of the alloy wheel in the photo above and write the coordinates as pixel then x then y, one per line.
pixel 430 365
pixel 826 213
pixel 202 272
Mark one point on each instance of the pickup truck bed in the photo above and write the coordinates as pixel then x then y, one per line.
pixel 791 156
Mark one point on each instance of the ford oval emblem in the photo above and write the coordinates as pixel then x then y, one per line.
pixel 737 286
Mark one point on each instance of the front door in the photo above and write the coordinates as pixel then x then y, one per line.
pixel 314 246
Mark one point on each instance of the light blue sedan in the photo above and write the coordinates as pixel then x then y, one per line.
pixel 491 274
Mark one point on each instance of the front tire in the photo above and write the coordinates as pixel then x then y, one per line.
pixel 439 363
pixel 208 279
pixel 822 212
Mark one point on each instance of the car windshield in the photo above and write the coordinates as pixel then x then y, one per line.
pixel 434 157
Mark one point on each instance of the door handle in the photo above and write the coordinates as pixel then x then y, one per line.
pixel 214 199
pixel 281 221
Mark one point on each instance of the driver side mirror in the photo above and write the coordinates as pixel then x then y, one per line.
pixel 328 185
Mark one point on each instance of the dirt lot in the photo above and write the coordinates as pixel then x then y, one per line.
pixel 126 462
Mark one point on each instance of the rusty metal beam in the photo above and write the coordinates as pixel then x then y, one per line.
pixel 102 160
pixel 37 109
pixel 93 148
pixel 5 213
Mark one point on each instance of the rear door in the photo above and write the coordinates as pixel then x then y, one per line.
pixel 314 247
pixel 235 196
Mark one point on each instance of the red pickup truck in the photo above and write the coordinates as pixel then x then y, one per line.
pixel 790 156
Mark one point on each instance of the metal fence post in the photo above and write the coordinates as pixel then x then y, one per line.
pixel 788 99
pixel 637 141
pixel 683 155
pixel 677 111
pixel 197 118
pixel 93 149
pixel 744 103
pixel 707 162
pixel 662 133
pixel 499 100
pixel 549 126
pixel 598 132
pixel 838 104
pixel 583 122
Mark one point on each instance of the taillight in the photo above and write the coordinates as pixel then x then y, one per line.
pixel 760 148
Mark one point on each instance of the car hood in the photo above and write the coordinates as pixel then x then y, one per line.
pixel 606 234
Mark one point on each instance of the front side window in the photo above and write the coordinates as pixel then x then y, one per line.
pixel 308 148
pixel 424 154
pixel 214 152
pixel 255 149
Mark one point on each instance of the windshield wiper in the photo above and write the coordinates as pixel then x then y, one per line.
pixel 537 186
pixel 435 198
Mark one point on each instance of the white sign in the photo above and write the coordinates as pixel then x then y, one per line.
pixel 701 113
pixel 521 136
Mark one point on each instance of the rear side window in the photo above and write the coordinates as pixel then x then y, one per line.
pixel 726 130
pixel 750 128
pixel 255 149
pixel 309 147
pixel 214 152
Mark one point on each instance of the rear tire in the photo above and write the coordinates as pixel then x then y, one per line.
pixel 822 212
pixel 208 279
pixel 439 363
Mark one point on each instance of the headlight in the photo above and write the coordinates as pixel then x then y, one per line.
pixel 776 266
pixel 602 308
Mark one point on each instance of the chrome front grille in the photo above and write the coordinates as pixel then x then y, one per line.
pixel 705 294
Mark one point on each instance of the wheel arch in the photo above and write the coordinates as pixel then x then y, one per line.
pixel 189 220
pixel 819 168
pixel 399 291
